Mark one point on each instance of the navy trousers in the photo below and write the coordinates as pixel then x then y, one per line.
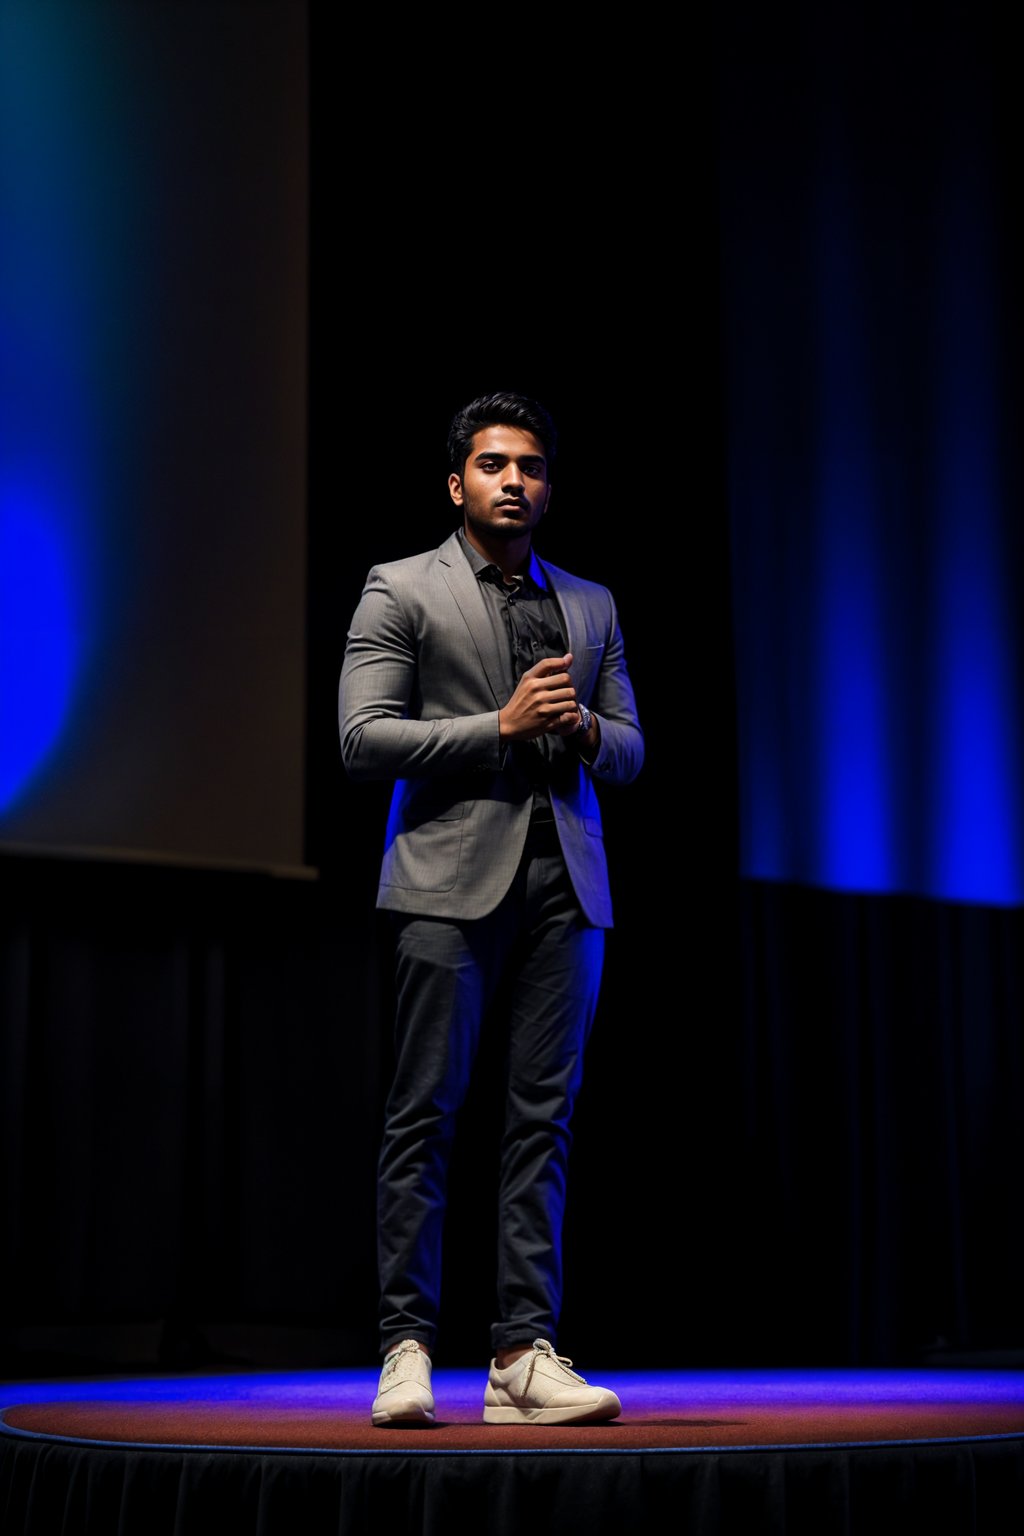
pixel 537 956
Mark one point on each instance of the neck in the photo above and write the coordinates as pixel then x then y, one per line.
pixel 511 556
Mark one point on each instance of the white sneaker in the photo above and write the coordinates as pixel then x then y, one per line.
pixel 539 1388
pixel 403 1393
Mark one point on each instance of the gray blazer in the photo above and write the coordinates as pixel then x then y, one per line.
pixel 421 686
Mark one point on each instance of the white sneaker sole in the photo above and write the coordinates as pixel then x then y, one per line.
pixel 606 1407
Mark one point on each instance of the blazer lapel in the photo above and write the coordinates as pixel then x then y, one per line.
pixel 465 589
pixel 572 612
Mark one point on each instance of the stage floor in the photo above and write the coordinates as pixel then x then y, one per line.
pixel 840 1450
pixel 680 1410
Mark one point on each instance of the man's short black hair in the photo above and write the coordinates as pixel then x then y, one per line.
pixel 501 410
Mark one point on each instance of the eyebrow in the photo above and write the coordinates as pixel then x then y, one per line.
pixel 488 453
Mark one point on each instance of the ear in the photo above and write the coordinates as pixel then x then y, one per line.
pixel 547 500
pixel 455 489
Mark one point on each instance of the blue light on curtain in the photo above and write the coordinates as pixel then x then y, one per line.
pixel 874 544
pixel 848 756
pixel 58 214
pixel 974 836
pixel 38 636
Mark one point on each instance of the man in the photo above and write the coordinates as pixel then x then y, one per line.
pixel 493 689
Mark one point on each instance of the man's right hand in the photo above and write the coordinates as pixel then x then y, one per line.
pixel 544 700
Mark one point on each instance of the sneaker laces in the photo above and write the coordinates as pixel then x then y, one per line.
pixel 541 1347
pixel 409 1346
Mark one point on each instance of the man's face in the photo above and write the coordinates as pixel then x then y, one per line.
pixel 503 490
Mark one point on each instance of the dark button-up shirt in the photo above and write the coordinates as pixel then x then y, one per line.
pixel 527 623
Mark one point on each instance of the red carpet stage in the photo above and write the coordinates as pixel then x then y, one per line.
pixel 293 1452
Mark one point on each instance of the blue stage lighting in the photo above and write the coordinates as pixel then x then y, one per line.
pixel 37 639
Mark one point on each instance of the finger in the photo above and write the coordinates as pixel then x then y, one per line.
pixel 548 664
pixel 550 689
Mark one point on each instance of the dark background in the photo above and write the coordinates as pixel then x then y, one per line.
pixel 798 1140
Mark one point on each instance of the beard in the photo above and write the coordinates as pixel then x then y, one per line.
pixel 504 525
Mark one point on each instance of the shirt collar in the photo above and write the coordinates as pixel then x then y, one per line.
pixel 534 570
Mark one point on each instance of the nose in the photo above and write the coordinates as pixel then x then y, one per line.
pixel 512 480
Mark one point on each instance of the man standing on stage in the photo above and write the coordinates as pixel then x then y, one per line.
pixel 493 689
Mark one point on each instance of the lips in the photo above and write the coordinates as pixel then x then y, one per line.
pixel 519 506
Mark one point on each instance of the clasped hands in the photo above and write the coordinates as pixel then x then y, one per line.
pixel 544 702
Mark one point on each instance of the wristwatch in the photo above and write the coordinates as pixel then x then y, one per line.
pixel 585 719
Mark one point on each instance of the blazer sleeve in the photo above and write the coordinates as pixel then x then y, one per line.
pixel 621 753
pixel 378 677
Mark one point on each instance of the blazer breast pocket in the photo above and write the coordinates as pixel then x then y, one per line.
pixel 589 666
